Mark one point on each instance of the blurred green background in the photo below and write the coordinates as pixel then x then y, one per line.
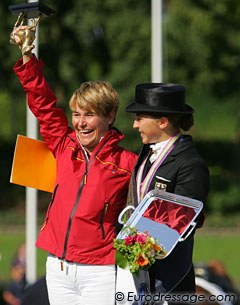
pixel 111 40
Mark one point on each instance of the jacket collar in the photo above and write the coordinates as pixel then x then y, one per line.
pixel 184 144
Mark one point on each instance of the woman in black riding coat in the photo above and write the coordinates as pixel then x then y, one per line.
pixel 169 158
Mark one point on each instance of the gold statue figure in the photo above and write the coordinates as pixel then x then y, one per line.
pixel 26 35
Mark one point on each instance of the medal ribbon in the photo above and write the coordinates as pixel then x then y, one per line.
pixel 143 186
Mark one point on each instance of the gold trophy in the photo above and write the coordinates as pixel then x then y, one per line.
pixel 32 11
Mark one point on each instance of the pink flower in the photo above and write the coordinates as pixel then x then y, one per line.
pixel 141 238
pixel 129 240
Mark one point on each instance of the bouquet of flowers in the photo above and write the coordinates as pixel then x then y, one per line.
pixel 137 250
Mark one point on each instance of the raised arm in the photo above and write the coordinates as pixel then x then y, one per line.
pixel 41 99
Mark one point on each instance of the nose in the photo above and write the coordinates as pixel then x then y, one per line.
pixel 135 124
pixel 82 122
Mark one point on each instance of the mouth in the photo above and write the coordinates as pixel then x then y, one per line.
pixel 85 132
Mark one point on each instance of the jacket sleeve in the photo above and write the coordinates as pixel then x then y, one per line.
pixel 42 102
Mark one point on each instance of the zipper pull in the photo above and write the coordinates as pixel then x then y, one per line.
pixel 85 178
pixel 105 207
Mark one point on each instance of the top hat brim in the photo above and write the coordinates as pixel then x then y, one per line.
pixel 141 108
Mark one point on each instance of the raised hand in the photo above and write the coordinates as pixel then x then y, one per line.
pixel 24 35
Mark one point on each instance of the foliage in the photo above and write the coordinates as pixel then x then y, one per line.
pixel 225 201
pixel 199 52
pixel 204 57
pixel 96 47
pixel 79 43
pixel 111 40
pixel 10 194
pixel 137 250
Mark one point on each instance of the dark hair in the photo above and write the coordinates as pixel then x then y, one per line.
pixel 182 121
pixel 178 121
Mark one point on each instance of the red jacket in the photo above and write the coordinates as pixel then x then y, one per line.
pixel 88 195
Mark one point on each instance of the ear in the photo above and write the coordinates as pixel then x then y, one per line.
pixel 111 117
pixel 163 122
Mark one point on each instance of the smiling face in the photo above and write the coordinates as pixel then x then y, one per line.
pixel 94 106
pixel 89 127
pixel 151 130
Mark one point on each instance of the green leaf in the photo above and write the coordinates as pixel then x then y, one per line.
pixel 120 260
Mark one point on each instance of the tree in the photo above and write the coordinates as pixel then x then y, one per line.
pixel 203 46
pixel 111 40
pixel 85 40
pixel 107 40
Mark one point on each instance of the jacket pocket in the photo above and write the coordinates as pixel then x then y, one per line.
pixel 49 208
pixel 104 211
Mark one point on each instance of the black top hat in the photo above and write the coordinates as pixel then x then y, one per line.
pixel 159 98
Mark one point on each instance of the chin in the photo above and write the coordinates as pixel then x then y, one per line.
pixel 144 141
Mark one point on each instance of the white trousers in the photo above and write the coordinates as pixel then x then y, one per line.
pixel 79 284
pixel 125 287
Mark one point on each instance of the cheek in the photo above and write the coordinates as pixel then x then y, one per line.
pixel 101 125
pixel 74 123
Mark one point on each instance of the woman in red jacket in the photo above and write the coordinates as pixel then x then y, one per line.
pixel 93 175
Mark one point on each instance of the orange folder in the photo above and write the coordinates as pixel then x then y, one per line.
pixel 33 164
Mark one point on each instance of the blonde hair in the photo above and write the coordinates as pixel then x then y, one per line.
pixel 97 95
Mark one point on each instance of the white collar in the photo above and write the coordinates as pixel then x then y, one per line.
pixel 156 149
pixel 158 146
